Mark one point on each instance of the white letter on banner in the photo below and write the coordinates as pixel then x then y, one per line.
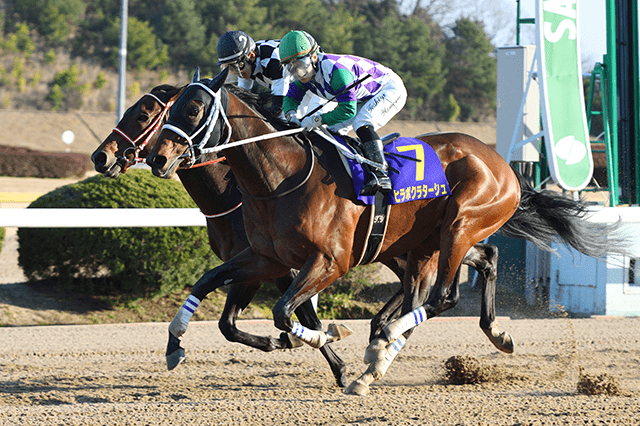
pixel 561 7
pixel 553 37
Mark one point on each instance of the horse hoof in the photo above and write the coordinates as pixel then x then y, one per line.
pixel 506 343
pixel 291 341
pixel 175 358
pixel 341 381
pixel 502 341
pixel 175 354
pixel 357 388
pixel 375 351
pixel 337 332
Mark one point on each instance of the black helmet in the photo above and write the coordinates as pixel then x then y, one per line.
pixel 234 46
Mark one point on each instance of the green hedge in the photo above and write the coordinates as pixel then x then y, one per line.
pixel 2 233
pixel 121 261
pixel 25 162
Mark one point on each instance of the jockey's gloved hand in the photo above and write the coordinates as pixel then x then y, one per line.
pixel 312 122
pixel 290 116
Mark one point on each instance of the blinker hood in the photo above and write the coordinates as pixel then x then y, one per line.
pixel 195 92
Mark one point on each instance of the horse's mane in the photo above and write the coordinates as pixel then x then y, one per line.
pixel 166 91
pixel 268 105
pixel 165 88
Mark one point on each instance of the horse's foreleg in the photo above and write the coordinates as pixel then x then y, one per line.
pixel 316 274
pixel 309 318
pixel 242 269
pixel 238 299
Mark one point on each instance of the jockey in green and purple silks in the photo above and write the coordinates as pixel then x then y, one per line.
pixel 365 107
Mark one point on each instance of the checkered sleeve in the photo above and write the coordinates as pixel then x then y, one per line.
pixel 270 60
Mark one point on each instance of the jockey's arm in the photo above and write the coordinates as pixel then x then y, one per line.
pixel 279 91
pixel 347 102
pixel 293 98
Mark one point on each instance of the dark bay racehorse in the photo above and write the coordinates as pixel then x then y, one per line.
pixel 213 188
pixel 300 212
pixel 136 133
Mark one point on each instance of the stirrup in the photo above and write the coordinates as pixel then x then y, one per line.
pixel 376 183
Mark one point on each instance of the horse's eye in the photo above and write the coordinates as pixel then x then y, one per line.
pixel 193 111
pixel 143 117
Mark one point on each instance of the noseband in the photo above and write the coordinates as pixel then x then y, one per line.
pixel 146 134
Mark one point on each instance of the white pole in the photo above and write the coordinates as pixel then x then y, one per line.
pixel 122 55
pixel 100 218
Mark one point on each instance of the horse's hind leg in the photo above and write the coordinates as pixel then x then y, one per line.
pixel 484 259
pixel 392 308
pixel 477 207
pixel 381 352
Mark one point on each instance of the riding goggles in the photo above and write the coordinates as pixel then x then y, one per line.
pixel 301 68
pixel 235 67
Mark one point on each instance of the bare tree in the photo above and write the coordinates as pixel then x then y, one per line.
pixel 498 16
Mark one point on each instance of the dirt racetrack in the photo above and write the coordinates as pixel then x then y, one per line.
pixel 116 375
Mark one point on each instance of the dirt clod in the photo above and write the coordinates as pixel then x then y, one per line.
pixel 465 370
pixel 600 384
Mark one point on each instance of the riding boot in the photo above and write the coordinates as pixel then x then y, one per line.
pixel 377 179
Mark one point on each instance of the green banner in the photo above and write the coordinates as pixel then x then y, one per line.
pixel 563 112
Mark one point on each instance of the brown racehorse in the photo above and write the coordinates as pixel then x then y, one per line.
pixel 213 186
pixel 136 133
pixel 300 210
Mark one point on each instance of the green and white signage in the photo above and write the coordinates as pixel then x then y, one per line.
pixel 562 100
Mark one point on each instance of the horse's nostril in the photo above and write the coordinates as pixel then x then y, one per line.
pixel 99 159
pixel 157 161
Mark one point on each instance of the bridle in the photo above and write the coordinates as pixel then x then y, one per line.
pixel 147 134
pixel 206 128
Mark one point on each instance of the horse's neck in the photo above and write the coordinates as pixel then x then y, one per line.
pixel 261 167
pixel 208 186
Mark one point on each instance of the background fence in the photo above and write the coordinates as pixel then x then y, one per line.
pixel 100 218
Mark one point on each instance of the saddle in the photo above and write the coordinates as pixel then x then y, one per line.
pixel 413 177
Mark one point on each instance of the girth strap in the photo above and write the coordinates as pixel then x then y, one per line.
pixel 377 228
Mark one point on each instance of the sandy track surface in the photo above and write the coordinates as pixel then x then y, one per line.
pixel 116 375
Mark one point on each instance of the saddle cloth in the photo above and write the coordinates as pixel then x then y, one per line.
pixel 419 180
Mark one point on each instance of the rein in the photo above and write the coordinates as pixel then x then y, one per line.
pixel 148 132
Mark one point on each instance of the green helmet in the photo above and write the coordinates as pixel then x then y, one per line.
pixel 295 45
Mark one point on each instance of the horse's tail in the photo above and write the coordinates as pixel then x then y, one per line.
pixel 545 216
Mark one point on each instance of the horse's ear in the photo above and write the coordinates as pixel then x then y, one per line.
pixel 196 75
pixel 216 82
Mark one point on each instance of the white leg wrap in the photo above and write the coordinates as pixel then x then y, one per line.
pixel 315 339
pixel 180 322
pixel 406 322
pixel 376 350
pixel 380 366
pixel 376 369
